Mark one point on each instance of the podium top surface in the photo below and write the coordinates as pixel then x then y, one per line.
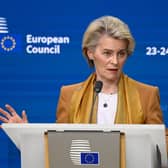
pixel 14 131
pixel 17 129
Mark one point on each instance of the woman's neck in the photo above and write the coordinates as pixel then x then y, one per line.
pixel 109 87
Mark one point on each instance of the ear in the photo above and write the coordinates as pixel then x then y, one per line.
pixel 90 54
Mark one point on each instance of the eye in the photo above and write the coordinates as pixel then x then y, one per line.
pixel 122 53
pixel 107 53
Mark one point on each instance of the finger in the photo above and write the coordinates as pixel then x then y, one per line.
pixel 5 113
pixel 10 109
pixel 3 119
pixel 24 116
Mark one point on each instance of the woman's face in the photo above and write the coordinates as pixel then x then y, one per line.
pixel 109 57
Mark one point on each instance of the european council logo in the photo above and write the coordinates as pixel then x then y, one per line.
pixel 9 43
pixel 81 154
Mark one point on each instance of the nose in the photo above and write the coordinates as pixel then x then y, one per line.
pixel 114 59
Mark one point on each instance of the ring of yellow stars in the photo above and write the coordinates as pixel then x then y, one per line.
pixel 4 39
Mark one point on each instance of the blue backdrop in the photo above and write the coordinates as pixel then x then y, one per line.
pixel 31 80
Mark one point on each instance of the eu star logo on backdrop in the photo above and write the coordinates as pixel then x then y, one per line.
pixel 9 43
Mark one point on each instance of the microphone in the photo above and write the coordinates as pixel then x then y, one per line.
pixel 98 86
pixel 97 89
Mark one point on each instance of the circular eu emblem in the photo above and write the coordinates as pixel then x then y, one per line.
pixel 8 43
pixel 89 158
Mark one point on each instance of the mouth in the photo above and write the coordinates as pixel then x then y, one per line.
pixel 113 69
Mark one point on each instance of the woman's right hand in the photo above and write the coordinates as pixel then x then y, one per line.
pixel 11 116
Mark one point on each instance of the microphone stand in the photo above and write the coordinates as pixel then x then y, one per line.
pixel 97 89
pixel 91 111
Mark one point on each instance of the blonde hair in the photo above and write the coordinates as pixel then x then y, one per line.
pixel 106 25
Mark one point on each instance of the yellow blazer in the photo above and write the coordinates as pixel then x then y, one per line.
pixel 149 100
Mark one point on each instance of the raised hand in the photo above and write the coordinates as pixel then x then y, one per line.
pixel 11 116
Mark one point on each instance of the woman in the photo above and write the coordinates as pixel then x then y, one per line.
pixel 107 44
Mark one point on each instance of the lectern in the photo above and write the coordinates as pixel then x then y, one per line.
pixel 145 145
